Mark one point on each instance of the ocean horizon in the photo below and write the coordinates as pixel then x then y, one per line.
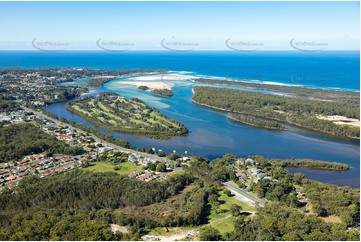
pixel 334 70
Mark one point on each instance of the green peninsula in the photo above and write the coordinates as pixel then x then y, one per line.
pixel 333 117
pixel 132 116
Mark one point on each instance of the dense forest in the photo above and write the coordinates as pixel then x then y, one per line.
pixel 115 113
pixel 348 97
pixel 317 164
pixel 185 209
pixel 8 105
pixel 18 140
pixel 276 222
pixel 290 110
pixel 87 202
pixel 256 121
pixel 80 205
pixel 326 199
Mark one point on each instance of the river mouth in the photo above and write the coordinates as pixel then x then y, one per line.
pixel 212 134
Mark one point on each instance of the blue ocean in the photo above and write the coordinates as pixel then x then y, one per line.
pixel 323 69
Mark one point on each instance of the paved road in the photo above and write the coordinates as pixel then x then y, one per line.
pixel 125 150
pixel 243 196
pixel 252 180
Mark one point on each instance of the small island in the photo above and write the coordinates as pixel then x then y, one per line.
pixel 143 88
pixel 162 92
pixel 115 113
pixel 159 92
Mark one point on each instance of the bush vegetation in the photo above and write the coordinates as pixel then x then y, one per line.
pixel 300 112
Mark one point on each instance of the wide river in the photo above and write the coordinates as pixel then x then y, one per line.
pixel 212 134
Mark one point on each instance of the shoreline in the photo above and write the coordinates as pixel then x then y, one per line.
pixel 317 168
pixel 114 78
pixel 151 85
pixel 253 125
pixel 268 157
pixel 291 124
pixel 270 84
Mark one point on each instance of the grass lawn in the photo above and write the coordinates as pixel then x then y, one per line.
pixel 125 167
pixel 223 220
pixel 102 106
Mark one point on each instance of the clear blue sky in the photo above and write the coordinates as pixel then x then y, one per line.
pixel 270 24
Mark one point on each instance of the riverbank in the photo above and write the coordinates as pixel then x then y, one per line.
pixel 211 135
pixel 310 164
pixel 300 113
pixel 256 122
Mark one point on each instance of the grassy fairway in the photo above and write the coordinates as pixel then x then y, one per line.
pixel 223 220
pixel 125 167
pixel 114 113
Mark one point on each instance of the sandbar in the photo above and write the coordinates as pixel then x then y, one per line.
pixel 150 85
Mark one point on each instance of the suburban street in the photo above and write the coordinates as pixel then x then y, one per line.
pixel 240 194
pixel 243 196
pixel 97 139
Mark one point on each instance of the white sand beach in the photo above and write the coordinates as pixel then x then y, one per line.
pixel 151 85
pixel 165 81
pixel 165 77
